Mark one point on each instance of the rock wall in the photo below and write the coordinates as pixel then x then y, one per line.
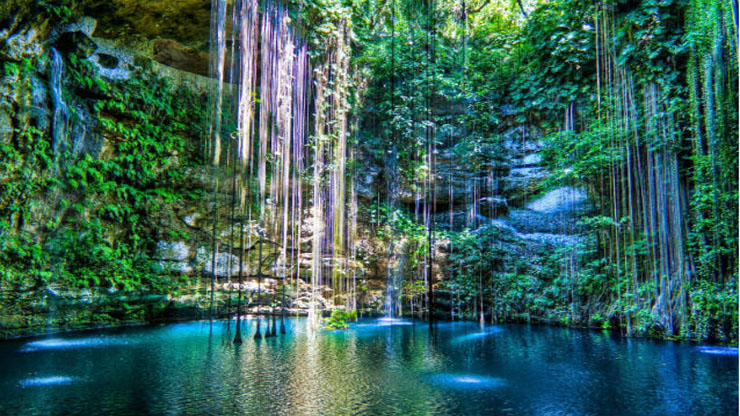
pixel 124 40
pixel 496 187
pixel 496 191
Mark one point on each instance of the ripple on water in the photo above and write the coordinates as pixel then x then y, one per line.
pixel 46 381
pixel 60 343
pixel 465 381
pixel 731 351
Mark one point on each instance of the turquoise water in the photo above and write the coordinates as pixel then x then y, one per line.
pixel 377 367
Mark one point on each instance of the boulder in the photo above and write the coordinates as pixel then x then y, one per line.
pixel 530 160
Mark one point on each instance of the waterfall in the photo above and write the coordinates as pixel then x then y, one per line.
pixel 290 112
pixel 393 287
pixel 396 248
pixel 61 113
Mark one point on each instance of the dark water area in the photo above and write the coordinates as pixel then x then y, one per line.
pixel 377 367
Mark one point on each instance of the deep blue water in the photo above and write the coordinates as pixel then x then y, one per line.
pixel 375 368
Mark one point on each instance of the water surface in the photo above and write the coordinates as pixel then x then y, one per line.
pixel 377 367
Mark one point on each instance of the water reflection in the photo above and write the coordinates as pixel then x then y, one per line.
pixel 372 368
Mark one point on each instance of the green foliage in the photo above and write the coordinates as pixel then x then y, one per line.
pixel 669 58
pixel 407 76
pixel 22 259
pixel 25 168
pixel 478 269
pixel 60 11
pixel 327 21
pixel 90 259
pixel 599 320
pixel 339 319
pixel 558 49
pixel 100 230
pixel 714 311
pixel 397 225
pixel 146 122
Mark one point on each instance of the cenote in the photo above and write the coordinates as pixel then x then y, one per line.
pixel 551 186
pixel 370 369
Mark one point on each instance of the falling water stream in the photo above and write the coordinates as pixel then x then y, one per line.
pixel 61 113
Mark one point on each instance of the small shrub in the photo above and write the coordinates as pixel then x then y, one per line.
pixel 339 319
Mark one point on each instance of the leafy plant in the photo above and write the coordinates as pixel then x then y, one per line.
pixel 339 319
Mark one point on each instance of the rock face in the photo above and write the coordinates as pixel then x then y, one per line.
pixel 34 312
pixel 493 188
pixel 552 218
pixel 174 256
pixel 23 44
pixel 112 62
pixel 171 53
pixel 45 98
pixel 6 126
pixel 560 200
pixel 186 21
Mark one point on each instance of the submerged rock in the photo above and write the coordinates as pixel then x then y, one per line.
pixel 47 381
pixel 465 381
